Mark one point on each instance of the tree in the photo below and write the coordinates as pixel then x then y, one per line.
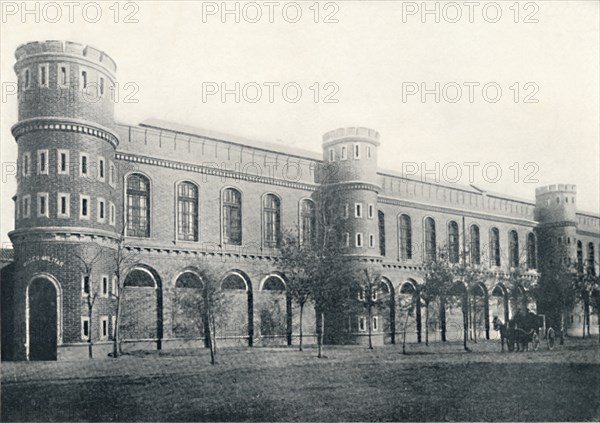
pixel 408 307
pixel 91 255
pixel 371 298
pixel 297 263
pixel 437 285
pixel 585 282
pixel 124 259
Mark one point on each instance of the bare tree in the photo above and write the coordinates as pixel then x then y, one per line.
pixel 91 255
pixel 371 287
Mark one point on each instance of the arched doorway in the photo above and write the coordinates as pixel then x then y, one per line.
pixel 188 304
pixel 275 310
pixel 143 306
pixel 500 303
pixel 240 292
pixel 43 310
pixel 479 314
pixel 409 302
pixel 388 300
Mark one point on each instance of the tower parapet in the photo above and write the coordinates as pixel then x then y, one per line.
pixel 556 203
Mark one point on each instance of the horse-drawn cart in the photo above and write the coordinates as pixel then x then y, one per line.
pixel 524 329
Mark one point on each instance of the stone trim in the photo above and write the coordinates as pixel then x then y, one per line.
pixel 64 125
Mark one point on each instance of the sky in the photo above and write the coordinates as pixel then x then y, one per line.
pixel 512 91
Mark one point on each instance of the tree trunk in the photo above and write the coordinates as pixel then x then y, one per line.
pixel 443 318
pixel 319 329
pixel 584 313
pixel 210 345
pixel 404 335
pixel 562 327
pixel 300 328
pixel 117 335
pixel 90 332
pixel 465 321
pixel 427 324
pixel 370 327
pixel 418 317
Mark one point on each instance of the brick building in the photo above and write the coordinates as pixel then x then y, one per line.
pixel 184 197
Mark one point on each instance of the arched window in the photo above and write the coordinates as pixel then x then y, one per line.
pixel 138 206
pixel 453 242
pixel 513 248
pixel 580 254
pixel 381 222
pixel 475 247
pixel 232 216
pixel 591 259
pixel 429 239
pixel 308 222
pixel 271 220
pixel 405 237
pixel 187 212
pixel 531 256
pixel 494 247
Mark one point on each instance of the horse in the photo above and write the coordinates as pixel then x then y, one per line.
pixel 503 329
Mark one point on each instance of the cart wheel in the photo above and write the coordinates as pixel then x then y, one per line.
pixel 551 337
pixel 535 340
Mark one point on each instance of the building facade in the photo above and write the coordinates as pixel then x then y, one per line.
pixel 181 198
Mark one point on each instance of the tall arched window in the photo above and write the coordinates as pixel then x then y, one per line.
pixel 429 239
pixel 494 247
pixel 308 222
pixel 580 254
pixel 138 206
pixel 453 242
pixel 271 220
pixel 591 258
pixel 475 247
pixel 531 256
pixel 513 248
pixel 381 221
pixel 187 211
pixel 232 216
pixel 405 237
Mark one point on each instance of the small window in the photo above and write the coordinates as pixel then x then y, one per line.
pixel 371 211
pixel 114 289
pixel 26 206
pixel 42 200
pixel 101 210
pixel 85 285
pixel 62 162
pixel 344 155
pixel 43 69
pixel 105 286
pixel 361 324
pixel 369 151
pixel 101 169
pixel 85 328
pixel 358 210
pixel 101 86
pixel 331 155
pixel 375 323
pixel 83 164
pixel 112 173
pixel 26 164
pixel 84 79
pixel 566 199
pixel 84 206
pixel 359 239
pixel 346 211
pixel 27 79
pixel 557 200
pixel 112 214
pixel 104 327
pixel 361 294
pixel 63 205
pixel 113 324
pixel 63 75
pixel 357 151
pixel 374 294
pixel 346 239
pixel 42 162
pixel 371 241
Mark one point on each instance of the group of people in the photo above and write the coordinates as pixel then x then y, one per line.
pixel 521 330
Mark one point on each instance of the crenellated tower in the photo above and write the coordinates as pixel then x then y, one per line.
pixel 67 189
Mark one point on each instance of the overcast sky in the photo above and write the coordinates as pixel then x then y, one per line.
pixel 372 55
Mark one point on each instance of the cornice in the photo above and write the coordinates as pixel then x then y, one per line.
pixel 64 124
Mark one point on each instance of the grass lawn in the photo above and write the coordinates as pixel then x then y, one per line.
pixel 435 383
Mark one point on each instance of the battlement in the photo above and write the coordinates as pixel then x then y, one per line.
pixel 65 47
pixel 351 133
pixel 550 189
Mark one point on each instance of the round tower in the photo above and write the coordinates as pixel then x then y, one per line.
pixel 350 157
pixel 555 211
pixel 66 220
